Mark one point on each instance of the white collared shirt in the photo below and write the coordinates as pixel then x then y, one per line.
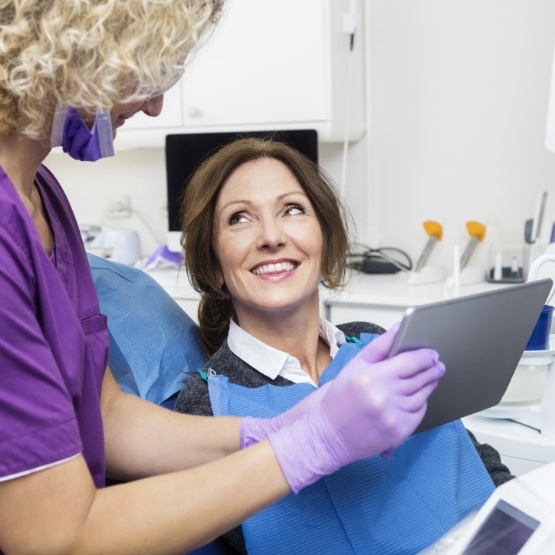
pixel 273 362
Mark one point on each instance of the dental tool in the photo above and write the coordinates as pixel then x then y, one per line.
pixel 477 233
pixel 435 233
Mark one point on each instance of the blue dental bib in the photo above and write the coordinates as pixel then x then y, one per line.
pixel 377 506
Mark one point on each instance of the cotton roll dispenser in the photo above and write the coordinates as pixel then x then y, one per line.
pixel 122 245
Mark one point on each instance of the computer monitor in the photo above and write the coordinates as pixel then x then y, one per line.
pixel 184 152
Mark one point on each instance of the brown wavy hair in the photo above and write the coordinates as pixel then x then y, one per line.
pixel 197 214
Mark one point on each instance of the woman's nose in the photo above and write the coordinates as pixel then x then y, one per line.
pixel 271 234
pixel 153 106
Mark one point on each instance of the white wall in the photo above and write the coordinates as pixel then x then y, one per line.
pixel 459 91
pixel 137 173
pixel 457 101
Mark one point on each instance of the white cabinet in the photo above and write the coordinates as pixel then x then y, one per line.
pixel 521 447
pixel 270 64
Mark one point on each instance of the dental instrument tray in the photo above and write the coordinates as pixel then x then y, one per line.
pixel 480 338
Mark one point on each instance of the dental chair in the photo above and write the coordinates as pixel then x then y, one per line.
pixel 153 342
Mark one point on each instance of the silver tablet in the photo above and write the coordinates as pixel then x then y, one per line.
pixel 480 339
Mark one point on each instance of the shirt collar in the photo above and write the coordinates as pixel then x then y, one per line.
pixel 272 362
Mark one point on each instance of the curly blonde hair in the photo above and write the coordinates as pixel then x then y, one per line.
pixel 91 53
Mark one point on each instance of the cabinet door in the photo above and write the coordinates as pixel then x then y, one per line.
pixel 269 64
pixel 265 63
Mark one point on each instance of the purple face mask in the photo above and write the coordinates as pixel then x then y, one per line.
pixel 71 133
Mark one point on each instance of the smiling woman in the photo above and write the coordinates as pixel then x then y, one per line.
pixel 264 197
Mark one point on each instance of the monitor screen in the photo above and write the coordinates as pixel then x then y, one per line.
pixel 184 153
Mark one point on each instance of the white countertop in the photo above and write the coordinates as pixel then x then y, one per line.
pixel 395 290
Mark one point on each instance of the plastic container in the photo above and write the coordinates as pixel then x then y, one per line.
pixel 506 264
pixel 539 340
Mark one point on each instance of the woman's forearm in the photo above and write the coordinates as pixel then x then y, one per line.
pixel 143 439
pixel 190 507
pixel 167 514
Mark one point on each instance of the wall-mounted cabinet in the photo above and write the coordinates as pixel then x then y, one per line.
pixel 270 64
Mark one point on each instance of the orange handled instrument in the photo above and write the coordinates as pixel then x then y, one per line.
pixel 435 233
pixel 477 233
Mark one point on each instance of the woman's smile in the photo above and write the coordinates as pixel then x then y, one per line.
pixel 274 269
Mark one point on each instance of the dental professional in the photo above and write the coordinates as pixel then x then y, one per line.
pixel 71 73
pixel 265 226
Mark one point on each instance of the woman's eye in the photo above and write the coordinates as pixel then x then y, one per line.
pixel 237 218
pixel 294 209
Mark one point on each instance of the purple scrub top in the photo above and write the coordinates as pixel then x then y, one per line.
pixel 53 339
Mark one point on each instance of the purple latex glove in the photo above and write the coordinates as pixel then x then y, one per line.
pixel 370 408
pixel 254 430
